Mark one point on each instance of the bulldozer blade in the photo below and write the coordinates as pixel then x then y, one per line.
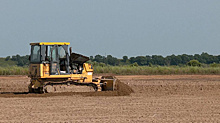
pixel 108 83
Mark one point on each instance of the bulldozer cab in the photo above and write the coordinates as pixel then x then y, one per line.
pixel 53 54
pixel 58 58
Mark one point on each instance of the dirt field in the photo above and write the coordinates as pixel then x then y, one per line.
pixel 170 98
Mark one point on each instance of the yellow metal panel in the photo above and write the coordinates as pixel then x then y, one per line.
pixel 56 76
pixel 87 67
pixel 51 43
pixel 87 72
pixel 46 70
pixel 41 70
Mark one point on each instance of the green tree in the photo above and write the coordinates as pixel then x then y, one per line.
pixel 194 63
pixel 7 58
pixel 99 58
pixel 174 60
pixel 91 58
pixel 132 60
pixel 218 57
pixel 134 64
pixel 125 59
pixel 110 60
pixel 185 58
pixel 158 60
pixel 141 60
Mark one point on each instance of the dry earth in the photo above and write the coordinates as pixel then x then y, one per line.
pixel 169 98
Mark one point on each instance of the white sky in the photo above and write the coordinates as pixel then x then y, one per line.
pixel 115 27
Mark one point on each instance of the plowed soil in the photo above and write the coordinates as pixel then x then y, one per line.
pixel 169 98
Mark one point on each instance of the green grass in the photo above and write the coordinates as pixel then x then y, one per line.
pixel 160 70
pixel 128 70
pixel 13 70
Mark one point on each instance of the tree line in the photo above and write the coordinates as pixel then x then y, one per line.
pixel 19 60
pixel 148 60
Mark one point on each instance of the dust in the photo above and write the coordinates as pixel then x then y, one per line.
pixel 121 90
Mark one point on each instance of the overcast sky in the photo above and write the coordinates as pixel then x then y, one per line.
pixel 115 27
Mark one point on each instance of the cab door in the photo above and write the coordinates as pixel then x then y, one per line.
pixel 54 62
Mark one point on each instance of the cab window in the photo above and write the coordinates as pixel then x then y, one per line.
pixel 35 54
pixel 61 52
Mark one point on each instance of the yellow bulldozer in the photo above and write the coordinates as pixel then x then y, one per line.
pixel 52 66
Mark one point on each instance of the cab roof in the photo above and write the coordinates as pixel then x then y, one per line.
pixel 50 43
